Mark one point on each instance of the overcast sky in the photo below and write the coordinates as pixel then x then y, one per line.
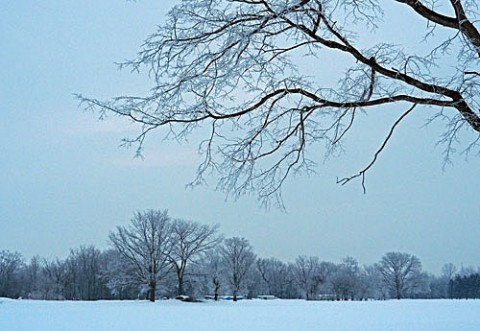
pixel 64 181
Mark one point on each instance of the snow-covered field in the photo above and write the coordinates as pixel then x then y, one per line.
pixel 409 315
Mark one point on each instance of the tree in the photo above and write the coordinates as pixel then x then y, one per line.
pixel 274 274
pixel 54 279
pixel 438 287
pixel 233 66
pixel 466 286
pixel 212 269
pixel 347 282
pixel 448 272
pixel 190 240
pixel 376 288
pixel 32 278
pixel 401 272
pixel 119 275
pixel 10 264
pixel 69 278
pixel 310 274
pixel 145 247
pixel 83 279
pixel 238 257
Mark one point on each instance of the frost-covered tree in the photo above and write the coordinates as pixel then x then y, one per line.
pixel 270 79
pixel 144 247
pixel 401 273
pixel 376 288
pixel 310 273
pixel 10 264
pixel 32 279
pixel 347 281
pixel 83 273
pixel 212 269
pixel 238 256
pixel 275 275
pixel 119 276
pixel 190 240
pixel 54 279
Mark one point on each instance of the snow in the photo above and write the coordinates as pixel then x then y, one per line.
pixel 393 315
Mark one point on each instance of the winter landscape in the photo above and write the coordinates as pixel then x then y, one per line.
pixel 281 165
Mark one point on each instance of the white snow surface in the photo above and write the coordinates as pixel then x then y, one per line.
pixel 392 315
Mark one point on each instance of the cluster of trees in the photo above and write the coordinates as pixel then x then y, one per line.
pixel 157 256
pixel 466 286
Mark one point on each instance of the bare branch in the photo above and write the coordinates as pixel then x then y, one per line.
pixel 459 22
pixel 233 67
pixel 362 172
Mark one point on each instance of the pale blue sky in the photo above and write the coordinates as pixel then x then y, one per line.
pixel 64 182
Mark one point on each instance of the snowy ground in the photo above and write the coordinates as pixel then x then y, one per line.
pixel 409 315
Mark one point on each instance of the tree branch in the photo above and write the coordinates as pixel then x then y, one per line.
pixel 362 172
pixel 459 22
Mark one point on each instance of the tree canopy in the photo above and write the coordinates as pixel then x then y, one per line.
pixel 232 69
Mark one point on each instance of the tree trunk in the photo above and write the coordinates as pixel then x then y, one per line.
pixel 399 294
pixel 216 284
pixel 235 295
pixel 151 290
pixel 180 274
pixel 181 290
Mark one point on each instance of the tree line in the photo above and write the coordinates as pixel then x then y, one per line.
pixel 157 256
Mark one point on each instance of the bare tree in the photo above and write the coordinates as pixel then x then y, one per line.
pixel 190 240
pixel 311 274
pixel 347 281
pixel 83 274
pixel 54 279
pixel 401 272
pixel 119 275
pixel 238 257
pixel 233 66
pixel 32 278
pixel 145 246
pixel 212 264
pixel 274 274
pixel 376 287
pixel 70 282
pixel 10 264
pixel 448 272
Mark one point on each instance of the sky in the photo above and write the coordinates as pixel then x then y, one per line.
pixel 65 182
